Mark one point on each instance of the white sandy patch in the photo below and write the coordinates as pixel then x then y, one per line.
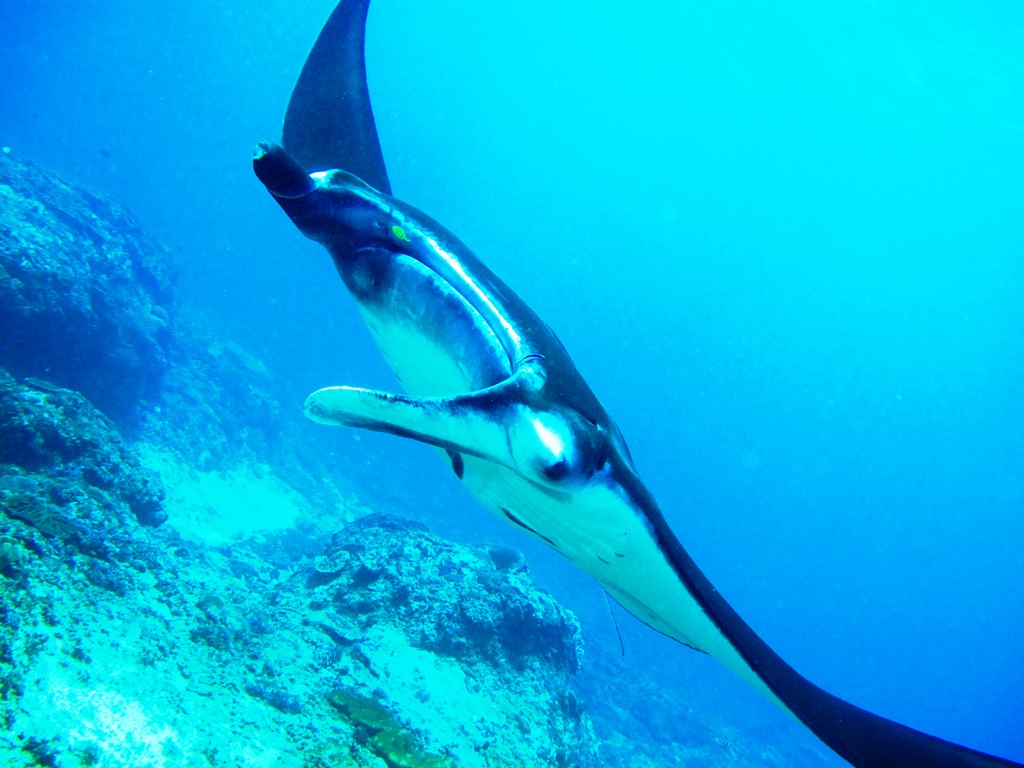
pixel 122 714
pixel 119 728
pixel 432 694
pixel 219 507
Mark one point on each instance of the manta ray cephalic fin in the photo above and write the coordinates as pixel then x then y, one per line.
pixel 474 423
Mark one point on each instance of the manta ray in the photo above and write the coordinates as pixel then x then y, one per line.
pixel 489 384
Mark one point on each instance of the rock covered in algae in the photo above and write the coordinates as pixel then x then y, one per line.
pixel 383 733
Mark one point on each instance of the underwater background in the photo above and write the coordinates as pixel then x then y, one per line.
pixel 783 243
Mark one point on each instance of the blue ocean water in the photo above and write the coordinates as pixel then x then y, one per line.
pixel 782 243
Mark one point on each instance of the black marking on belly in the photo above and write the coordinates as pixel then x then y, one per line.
pixel 525 527
pixel 619 554
pixel 603 560
pixel 458 465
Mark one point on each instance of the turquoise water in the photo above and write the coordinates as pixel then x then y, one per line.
pixel 783 245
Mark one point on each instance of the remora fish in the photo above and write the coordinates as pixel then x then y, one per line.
pixel 490 384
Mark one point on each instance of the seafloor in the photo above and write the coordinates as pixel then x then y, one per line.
pixel 185 582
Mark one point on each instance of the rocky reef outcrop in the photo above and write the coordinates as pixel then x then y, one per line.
pixel 476 659
pixel 84 291
pixel 491 613
pixel 56 447
pixel 87 304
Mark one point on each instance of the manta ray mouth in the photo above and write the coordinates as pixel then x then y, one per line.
pixel 454 285
pixel 439 264
pixel 428 329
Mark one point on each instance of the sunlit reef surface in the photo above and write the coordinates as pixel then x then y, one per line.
pixel 184 580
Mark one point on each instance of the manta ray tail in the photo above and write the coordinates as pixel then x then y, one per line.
pixel 329 123
pixel 862 738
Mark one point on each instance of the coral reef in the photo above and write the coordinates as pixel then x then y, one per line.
pixel 458 633
pixel 219 644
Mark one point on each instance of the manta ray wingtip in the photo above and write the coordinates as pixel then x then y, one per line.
pixel 280 173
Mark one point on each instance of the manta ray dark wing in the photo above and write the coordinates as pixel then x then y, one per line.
pixel 329 123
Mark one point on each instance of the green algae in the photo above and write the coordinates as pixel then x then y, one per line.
pixel 382 732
